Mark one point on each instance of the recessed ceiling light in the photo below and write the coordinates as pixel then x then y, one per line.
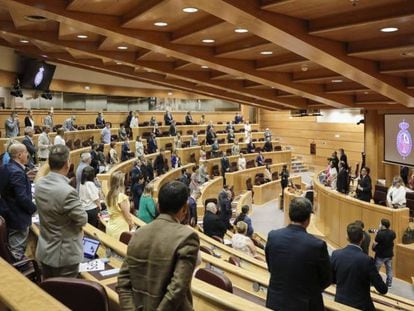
pixel 44 55
pixel 389 29
pixel 304 67
pixel 87 87
pixel 366 92
pixel 407 54
pixel 118 63
pixel 337 81
pixel 160 24
pixel 122 47
pixel 204 67
pixel 266 52
pixel 241 30
pixel 208 40
pixel 170 93
pixel 190 10
pixel 35 18
pixel 82 36
pixel 24 41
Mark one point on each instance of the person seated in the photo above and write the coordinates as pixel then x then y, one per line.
pixel 241 242
pixel 267 173
pixel 342 183
pixel 260 160
pixel 194 140
pixel 147 211
pixel 251 147
pixel 68 124
pixel 243 217
pixel 212 223
pixel 215 149
pixel 396 193
pixel 267 147
pixel 235 148
pixel 333 176
pixel 230 137
pixel 241 162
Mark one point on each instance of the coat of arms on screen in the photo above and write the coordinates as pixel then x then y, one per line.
pixel 39 77
pixel 404 142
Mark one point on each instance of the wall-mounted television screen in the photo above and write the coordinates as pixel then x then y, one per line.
pixel 36 74
pixel 398 139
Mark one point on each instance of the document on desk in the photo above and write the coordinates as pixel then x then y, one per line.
pixel 93 265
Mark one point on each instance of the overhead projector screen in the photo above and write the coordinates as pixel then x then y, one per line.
pixel 398 144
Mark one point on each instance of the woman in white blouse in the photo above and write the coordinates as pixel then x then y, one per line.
pixel 241 162
pixel 333 176
pixel 396 193
pixel 241 242
pixel 59 140
pixel 89 195
pixel 247 128
pixel 139 147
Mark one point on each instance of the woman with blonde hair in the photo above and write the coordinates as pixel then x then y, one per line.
pixel 120 219
pixel 147 209
pixel 241 242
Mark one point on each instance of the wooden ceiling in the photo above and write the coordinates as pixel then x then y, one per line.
pixel 320 53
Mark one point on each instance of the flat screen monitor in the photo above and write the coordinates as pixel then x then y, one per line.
pixel 36 74
pixel 398 139
pixel 90 247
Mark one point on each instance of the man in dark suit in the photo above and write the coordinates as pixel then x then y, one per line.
pixel 168 118
pixel 152 144
pixel 157 271
pixel 298 263
pixel 16 193
pixel 364 186
pixel 173 129
pixel 213 225
pixel 159 164
pixel 343 158
pixel 30 146
pixel 125 151
pixel 210 136
pixel 342 182
pixel 188 118
pixel 354 272
pixel 225 164
pixel 367 238
pixel 224 202
pixel 260 160
pixel 100 121
pixel 238 118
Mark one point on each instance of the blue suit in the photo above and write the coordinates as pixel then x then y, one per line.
pixel 354 272
pixel 299 270
pixel 16 191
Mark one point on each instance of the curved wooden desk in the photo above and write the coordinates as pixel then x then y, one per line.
pixel 208 190
pixel 169 176
pixel 271 190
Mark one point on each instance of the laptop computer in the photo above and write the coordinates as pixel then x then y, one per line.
pixel 90 248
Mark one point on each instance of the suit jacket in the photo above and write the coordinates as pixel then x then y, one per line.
pixel 68 125
pixel 365 193
pixel 188 120
pixel 354 272
pixel 43 145
pixel 230 138
pixel 213 225
pixel 159 164
pixel 152 145
pixel 31 148
pixel 12 127
pixel 157 271
pixel 173 130
pixel 238 119
pixel 299 270
pixel 61 220
pixel 48 120
pixel 27 122
pixel 210 136
pixel 342 181
pixel 225 165
pixel 16 192
pixel 168 118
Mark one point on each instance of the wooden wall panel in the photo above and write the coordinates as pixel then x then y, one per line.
pixel 299 133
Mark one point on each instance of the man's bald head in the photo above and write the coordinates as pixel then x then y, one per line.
pixel 18 153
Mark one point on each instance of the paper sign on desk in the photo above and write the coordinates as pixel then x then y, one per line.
pixel 93 265
pixel 35 219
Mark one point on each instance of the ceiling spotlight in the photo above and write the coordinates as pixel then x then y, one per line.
pixel 160 24
pixel 337 80
pixel 266 52
pixel 118 63
pixel 208 40
pixel 44 55
pixel 169 93
pixel 82 36
pixel 389 29
pixel 304 67
pixel 241 30
pixel 204 67
pixel 190 10
pixel 87 87
pixel 366 92
pixel 24 41
pixel 122 47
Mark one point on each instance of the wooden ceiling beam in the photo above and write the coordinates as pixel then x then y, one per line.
pixel 314 75
pixel 239 46
pixel 201 25
pixel 279 61
pixel 153 40
pixel 346 21
pixel 269 4
pixel 397 66
pixel 345 87
pixel 292 34
pixel 359 48
pixel 142 8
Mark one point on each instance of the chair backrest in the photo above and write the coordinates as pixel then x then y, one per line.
pixel 249 185
pixel 4 250
pixel 190 132
pixel 216 171
pixel 193 158
pixel 206 250
pixel 241 139
pixel 214 278
pixel 381 188
pixel 278 148
pixel 250 164
pixel 77 294
pixel 268 161
pixel 275 175
pixel 380 197
pixel 234 260
pixel 214 200
pixel 168 146
pixel 218 239
pixel 125 237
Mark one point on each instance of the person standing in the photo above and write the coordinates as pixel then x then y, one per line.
pixel 364 186
pixel 188 118
pixel 122 133
pixel 354 272
pixel 161 258
pixel 16 193
pixel 147 208
pixel 342 180
pixel 298 263
pixel 125 150
pixel 284 181
pixel 86 160
pixel 241 162
pixel 260 160
pixel 238 118
pixel 59 138
pixel 152 144
pixel 396 193
pixel 192 207
pixel 367 238
pixel 139 147
pixel 173 129
pixel 106 134
pixel 89 195
pixel 168 118
pixel 134 123
pixel 44 144
pixel 159 164
pixel 230 136
pixel 28 120
pixel 224 203
pixel 12 125
pixel 343 158
pixel 30 146
pixel 61 215
pixel 48 120
pixel 384 249
pixel 225 166
pixel 69 124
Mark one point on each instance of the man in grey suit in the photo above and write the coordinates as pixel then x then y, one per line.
pixel 12 125
pixel 48 120
pixel 68 125
pixel 61 215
